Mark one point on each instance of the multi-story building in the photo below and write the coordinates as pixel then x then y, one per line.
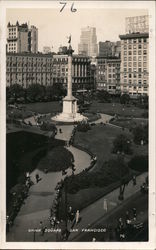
pixel 134 76
pixel 82 72
pixel 21 38
pixel 28 68
pixel 88 42
pixel 107 49
pixel 108 74
pixel 45 69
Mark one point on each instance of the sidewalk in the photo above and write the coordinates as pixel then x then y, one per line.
pixel 36 207
pixel 95 211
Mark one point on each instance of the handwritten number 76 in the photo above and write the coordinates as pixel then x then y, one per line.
pixel 72 7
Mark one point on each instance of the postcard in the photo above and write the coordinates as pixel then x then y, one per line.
pixel 77 124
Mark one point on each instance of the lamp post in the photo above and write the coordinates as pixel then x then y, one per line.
pixel 121 190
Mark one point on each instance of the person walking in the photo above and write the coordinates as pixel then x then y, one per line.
pixel 134 212
pixel 134 180
pixel 77 216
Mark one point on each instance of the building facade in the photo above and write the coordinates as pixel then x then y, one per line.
pixel 82 72
pixel 21 38
pixel 108 74
pixel 88 42
pixel 108 49
pixel 28 68
pixel 134 76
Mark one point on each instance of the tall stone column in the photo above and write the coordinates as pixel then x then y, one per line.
pixel 69 87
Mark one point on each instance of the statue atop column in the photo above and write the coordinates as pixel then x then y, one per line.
pixel 70 108
pixel 70 50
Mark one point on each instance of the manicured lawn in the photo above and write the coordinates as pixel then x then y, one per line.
pixel 128 122
pixel 116 108
pixel 99 140
pixel 44 107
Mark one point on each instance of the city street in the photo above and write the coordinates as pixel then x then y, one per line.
pixel 109 221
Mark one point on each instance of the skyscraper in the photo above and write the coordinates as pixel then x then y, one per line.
pixel 88 42
pixel 21 38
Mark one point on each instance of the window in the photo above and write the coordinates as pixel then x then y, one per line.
pixel 134 58
pixel 145 64
pixel 130 75
pixel 130 64
pixel 139 40
pixel 139 58
pixel 134 75
pixel 125 52
pixel 139 69
pixel 134 46
pixel 139 64
pixel 139 82
pixel 145 40
pixel 145 58
pixel 130 70
pixel 139 46
pixel 130 53
pixel 134 52
pixel 130 47
pixel 145 52
pixel 129 58
pixel 139 75
pixel 139 52
pixel 134 69
pixel 145 82
pixel 125 69
pixel 125 58
pixel 145 46
pixel 125 41
pixel 125 64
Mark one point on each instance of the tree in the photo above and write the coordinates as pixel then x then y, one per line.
pixel 35 92
pixel 140 133
pixel 124 99
pixel 15 91
pixel 103 96
pixel 122 144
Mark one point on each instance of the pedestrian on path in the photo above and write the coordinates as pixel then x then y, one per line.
pixel 37 178
pixel 77 216
pixel 42 228
pixel 94 239
pixel 105 205
pixel 134 180
pixel 134 212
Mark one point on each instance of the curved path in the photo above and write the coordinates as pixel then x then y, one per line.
pixel 41 195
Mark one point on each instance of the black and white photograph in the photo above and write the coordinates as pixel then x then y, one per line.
pixel 77 124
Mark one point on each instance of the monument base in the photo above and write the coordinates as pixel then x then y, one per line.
pixel 69 113
pixel 65 117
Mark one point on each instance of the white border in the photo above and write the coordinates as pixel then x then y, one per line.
pixel 150 5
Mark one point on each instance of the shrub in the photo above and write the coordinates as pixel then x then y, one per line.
pixel 139 163
pixel 57 159
pixel 46 126
pixel 83 127
pixel 122 144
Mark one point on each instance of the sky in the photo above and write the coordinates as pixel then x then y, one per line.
pixel 54 26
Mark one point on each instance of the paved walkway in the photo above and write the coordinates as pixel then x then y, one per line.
pixel 95 211
pixel 104 118
pixel 41 195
